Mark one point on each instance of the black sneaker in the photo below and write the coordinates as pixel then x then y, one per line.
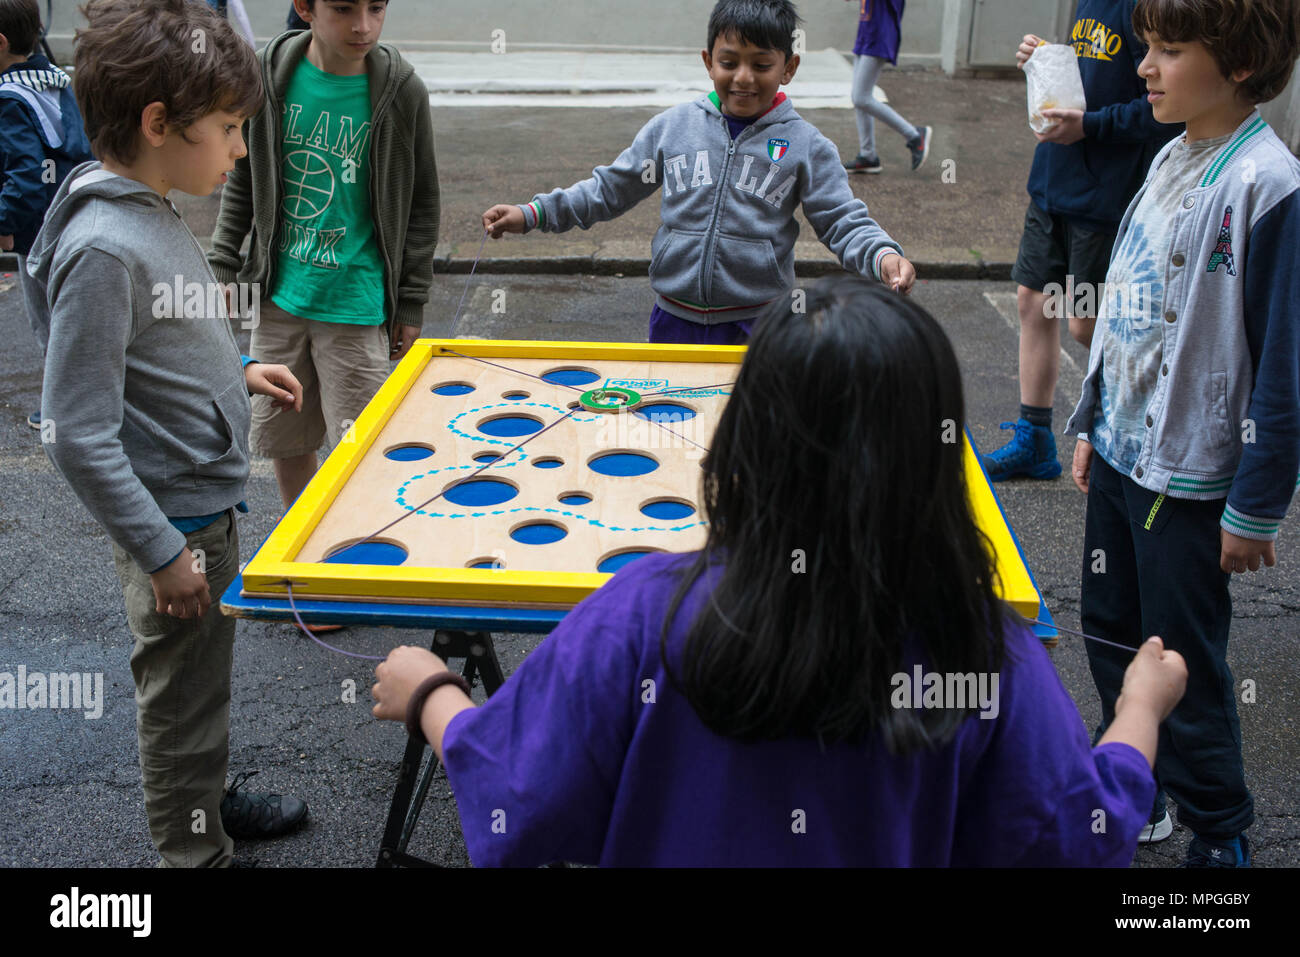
pixel 1203 853
pixel 252 816
pixel 920 146
pixel 864 164
pixel 34 420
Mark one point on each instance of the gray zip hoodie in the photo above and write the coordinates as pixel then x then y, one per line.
pixel 726 245
pixel 144 408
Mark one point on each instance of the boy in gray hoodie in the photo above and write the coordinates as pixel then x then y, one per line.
pixel 734 165
pixel 145 407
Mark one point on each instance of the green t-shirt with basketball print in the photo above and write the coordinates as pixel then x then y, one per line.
pixel 328 265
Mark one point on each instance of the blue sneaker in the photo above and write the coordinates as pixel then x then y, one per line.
pixel 1203 853
pixel 1032 453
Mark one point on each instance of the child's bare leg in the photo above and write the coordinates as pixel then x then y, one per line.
pixel 1040 349
pixel 293 474
pixel 1081 329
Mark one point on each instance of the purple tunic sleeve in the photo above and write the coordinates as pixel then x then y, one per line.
pixel 536 769
pixel 1040 795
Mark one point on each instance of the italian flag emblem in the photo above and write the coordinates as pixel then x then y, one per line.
pixel 777 149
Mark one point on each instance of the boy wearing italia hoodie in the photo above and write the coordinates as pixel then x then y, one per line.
pixel 733 166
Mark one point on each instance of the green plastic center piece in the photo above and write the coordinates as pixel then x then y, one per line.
pixel 609 400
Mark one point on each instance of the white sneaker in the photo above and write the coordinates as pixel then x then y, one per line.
pixel 1153 833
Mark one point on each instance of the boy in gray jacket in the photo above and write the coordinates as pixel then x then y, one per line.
pixel 145 408
pixel 734 165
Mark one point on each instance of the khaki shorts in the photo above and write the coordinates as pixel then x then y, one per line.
pixel 340 366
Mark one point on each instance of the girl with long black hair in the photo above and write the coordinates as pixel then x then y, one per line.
pixel 831 680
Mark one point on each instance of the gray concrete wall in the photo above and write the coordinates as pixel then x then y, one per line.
pixel 578 24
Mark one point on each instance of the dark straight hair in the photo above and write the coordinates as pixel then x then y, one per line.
pixel 840 534
pixel 767 24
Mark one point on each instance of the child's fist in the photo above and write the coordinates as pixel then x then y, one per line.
pixel 1155 680
pixel 1081 469
pixel 396 678
pixel 501 219
pixel 180 589
pixel 1237 554
pixel 1026 49
pixel 897 273
pixel 275 381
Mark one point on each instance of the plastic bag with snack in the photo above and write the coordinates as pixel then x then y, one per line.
pixel 1054 83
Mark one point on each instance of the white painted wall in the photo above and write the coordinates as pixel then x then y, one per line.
pixel 575 24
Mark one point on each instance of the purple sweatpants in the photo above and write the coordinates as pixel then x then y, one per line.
pixel 667 328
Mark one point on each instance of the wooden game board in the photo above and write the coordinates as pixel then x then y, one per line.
pixel 408 482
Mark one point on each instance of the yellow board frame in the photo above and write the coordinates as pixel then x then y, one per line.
pixel 273 566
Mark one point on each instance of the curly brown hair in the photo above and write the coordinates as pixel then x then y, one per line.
pixel 1258 35
pixel 176 52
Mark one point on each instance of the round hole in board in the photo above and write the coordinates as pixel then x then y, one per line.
pixel 575 498
pixel 488 562
pixel 480 493
pixel 515 396
pixel 367 553
pixel 575 406
pixel 510 426
pixel 625 464
pixel 538 533
pixel 452 388
pixel 668 509
pixel 550 462
pixel 483 458
pixel 410 452
pixel 616 560
pixel 570 375
pixel 665 412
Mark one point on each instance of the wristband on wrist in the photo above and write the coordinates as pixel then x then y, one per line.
pixel 421 694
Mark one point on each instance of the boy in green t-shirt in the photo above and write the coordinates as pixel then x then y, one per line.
pixel 340 189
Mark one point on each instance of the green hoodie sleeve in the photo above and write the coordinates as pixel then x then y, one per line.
pixel 83 398
pixel 416 273
pixel 234 220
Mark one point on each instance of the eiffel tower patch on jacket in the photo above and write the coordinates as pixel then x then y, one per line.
pixel 1222 255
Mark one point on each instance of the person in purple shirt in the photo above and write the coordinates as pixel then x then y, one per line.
pixel 791 694
pixel 879 35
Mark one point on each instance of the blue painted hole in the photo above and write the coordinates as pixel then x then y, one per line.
pixel 483 458
pixel 623 463
pixel 408 453
pixel 478 493
pixel 615 562
pixel 485 565
pixel 369 553
pixel 577 498
pixel 510 426
pixel 665 412
pixel 453 388
pixel 547 463
pixel 667 510
pixel 570 377
pixel 514 396
pixel 538 533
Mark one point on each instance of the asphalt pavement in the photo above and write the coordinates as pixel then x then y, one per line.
pixel 71 786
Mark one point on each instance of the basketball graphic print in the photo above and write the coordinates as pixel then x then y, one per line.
pixel 308 185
